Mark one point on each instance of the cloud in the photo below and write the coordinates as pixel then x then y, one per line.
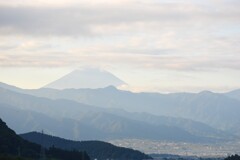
pixel 63 3
pixel 133 59
pixel 110 18
pixel 177 35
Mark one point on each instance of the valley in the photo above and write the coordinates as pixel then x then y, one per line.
pixel 206 150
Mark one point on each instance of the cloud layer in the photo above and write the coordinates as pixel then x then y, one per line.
pixel 176 35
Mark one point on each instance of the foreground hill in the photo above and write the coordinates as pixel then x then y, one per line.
pixel 13 145
pixel 96 149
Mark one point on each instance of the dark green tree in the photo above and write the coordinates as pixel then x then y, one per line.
pixel 233 157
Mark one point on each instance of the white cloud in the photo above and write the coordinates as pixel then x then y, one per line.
pixel 110 18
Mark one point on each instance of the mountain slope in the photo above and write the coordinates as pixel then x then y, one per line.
pixel 99 126
pixel 12 144
pixel 10 87
pixel 96 149
pixel 27 121
pixel 86 78
pixel 193 127
pixel 234 94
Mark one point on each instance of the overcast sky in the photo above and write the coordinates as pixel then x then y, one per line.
pixel 153 45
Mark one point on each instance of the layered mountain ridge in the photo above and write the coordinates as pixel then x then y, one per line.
pixel 89 122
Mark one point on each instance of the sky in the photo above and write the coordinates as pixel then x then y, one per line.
pixel 153 45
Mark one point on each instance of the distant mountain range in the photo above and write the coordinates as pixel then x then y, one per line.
pixel 219 110
pixel 96 149
pixel 84 122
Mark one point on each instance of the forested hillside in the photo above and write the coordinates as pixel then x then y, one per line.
pixel 12 146
pixel 96 149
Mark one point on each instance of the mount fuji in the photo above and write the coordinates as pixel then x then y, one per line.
pixel 86 78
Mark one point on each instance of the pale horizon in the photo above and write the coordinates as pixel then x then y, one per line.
pixel 25 84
